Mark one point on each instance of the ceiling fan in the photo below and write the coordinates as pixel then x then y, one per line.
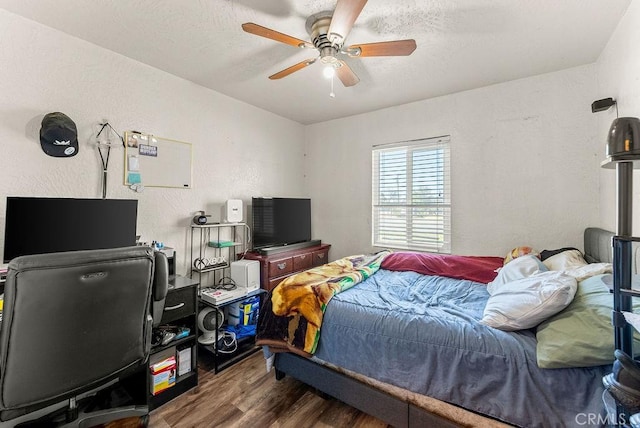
pixel 328 31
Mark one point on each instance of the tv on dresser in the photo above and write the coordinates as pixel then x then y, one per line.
pixel 281 224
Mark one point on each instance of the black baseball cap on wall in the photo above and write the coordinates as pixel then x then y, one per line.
pixel 59 135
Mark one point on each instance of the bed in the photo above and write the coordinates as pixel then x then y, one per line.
pixel 410 349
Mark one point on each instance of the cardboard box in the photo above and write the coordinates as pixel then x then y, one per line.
pixel 184 361
pixel 163 375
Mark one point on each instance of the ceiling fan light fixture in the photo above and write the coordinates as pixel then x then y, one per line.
pixel 328 31
pixel 329 71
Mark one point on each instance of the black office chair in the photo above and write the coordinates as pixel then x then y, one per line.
pixel 74 322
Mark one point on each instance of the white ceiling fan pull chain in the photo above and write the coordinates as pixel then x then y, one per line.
pixel 332 94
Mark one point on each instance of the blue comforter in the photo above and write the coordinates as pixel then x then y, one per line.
pixel 422 333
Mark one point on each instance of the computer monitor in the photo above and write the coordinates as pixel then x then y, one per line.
pixel 48 225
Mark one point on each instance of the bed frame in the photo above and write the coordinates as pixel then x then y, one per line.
pixel 393 410
pixel 384 401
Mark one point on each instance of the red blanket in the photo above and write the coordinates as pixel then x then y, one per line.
pixel 473 268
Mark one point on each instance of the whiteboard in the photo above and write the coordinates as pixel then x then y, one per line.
pixel 156 162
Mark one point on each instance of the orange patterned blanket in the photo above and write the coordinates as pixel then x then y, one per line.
pixel 291 316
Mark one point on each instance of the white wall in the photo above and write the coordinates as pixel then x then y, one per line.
pixel 239 150
pixel 525 154
pixel 619 77
pixel 524 161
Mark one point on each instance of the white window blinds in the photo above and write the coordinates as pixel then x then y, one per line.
pixel 412 195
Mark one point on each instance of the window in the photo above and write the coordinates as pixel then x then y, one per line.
pixel 412 195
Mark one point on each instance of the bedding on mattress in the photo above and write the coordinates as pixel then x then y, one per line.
pixel 423 333
pixel 292 314
pixel 475 268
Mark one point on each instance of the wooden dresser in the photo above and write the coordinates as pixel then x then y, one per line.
pixel 276 267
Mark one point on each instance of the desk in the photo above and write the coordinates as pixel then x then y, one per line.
pixel 180 309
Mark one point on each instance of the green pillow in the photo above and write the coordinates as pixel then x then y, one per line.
pixel 581 335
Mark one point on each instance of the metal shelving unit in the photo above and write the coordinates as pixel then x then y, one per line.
pixel 229 240
pixel 623 155
pixel 206 260
pixel 245 346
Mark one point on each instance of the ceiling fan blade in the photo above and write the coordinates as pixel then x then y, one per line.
pixel 345 14
pixel 346 74
pixel 394 48
pixel 259 30
pixel 292 69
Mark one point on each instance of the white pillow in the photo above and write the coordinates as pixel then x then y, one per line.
pixel 587 271
pixel 525 303
pixel 518 268
pixel 565 260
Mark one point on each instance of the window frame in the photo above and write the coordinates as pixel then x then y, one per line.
pixel 410 223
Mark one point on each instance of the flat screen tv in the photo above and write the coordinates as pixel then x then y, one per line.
pixel 280 221
pixel 49 225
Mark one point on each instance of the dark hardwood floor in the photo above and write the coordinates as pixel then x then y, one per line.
pixel 244 395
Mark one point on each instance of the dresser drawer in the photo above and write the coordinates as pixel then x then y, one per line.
pixel 320 257
pixel 280 267
pixel 273 282
pixel 179 303
pixel 302 261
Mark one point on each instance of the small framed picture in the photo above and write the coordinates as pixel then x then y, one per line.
pixel 132 141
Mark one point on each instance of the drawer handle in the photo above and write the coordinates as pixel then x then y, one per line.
pixel 173 308
pixel 302 257
pixel 281 266
pixel 321 256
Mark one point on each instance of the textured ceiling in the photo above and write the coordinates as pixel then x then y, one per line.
pixel 462 44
